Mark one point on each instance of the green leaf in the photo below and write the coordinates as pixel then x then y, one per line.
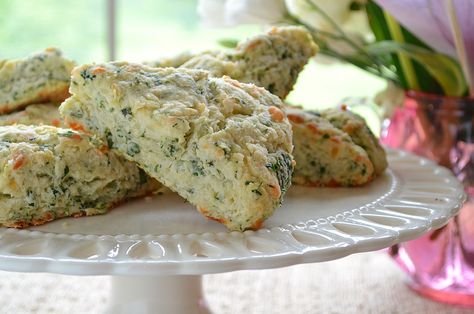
pixel 405 62
pixel 426 81
pixel 228 43
pixel 379 26
pixel 444 69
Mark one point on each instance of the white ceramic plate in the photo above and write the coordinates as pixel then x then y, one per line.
pixel 165 235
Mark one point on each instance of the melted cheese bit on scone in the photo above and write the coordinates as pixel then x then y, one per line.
pixel 41 77
pixel 325 155
pixel 272 60
pixel 223 145
pixel 48 173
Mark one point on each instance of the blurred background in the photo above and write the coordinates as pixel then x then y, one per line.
pixel 139 30
pixel 144 30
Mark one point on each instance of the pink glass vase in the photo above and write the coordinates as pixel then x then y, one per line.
pixel 440 265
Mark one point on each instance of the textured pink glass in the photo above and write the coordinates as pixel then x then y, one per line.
pixel 440 265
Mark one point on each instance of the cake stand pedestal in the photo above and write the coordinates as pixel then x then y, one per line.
pixel 169 294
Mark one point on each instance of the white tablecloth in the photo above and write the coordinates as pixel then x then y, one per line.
pixel 362 283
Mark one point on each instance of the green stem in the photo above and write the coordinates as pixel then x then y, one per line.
pixel 326 17
pixel 373 69
pixel 460 46
pixel 368 64
pixel 341 37
pixel 405 62
pixel 335 26
pixel 349 41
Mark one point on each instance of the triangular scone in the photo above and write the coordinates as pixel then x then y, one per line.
pixel 272 60
pixel 37 114
pixel 41 77
pixel 223 145
pixel 173 61
pixel 49 173
pixel 355 126
pixel 325 155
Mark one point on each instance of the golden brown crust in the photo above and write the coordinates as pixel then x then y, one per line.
pixel 56 97
pixel 48 216
pixel 333 184
pixel 21 224
pixel 46 174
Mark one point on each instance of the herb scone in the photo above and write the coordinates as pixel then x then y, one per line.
pixel 38 114
pixel 48 173
pixel 41 77
pixel 223 145
pixel 172 61
pixel 272 60
pixel 357 129
pixel 325 155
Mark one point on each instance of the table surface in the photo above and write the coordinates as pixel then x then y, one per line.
pixel 361 283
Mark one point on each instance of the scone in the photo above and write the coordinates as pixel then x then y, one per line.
pixel 223 145
pixel 172 61
pixel 41 77
pixel 48 173
pixel 38 114
pixel 355 126
pixel 272 60
pixel 324 155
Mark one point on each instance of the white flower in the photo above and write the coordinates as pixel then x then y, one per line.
pixel 344 48
pixel 390 98
pixel 358 23
pixel 211 12
pixel 234 12
pixel 338 10
pixel 353 23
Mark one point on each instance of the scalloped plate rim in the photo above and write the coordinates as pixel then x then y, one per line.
pixel 292 251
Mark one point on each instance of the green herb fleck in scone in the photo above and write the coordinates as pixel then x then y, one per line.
pixel 223 145
pixel 325 155
pixel 38 114
pixel 41 77
pixel 48 173
pixel 272 60
pixel 355 126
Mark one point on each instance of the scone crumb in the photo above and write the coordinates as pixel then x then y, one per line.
pixel 104 149
pixel 295 118
pixel 76 126
pixel 275 191
pixel 76 136
pixel 18 161
pixel 98 70
pixel 253 44
pixel 55 122
pixel 257 225
pixel 277 114
pixel 313 127
pixel 336 140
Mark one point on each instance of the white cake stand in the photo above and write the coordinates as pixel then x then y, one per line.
pixel 157 249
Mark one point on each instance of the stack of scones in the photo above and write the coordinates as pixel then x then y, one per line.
pixel 210 126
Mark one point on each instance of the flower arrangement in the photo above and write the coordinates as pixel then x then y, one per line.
pixel 422 45
pixel 425 51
